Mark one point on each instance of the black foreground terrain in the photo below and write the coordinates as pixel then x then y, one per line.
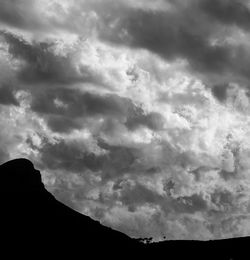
pixel 34 224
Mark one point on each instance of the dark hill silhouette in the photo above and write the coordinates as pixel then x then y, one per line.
pixel 32 220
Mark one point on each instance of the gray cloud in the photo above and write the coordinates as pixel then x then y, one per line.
pixel 138 195
pixel 4 156
pixel 170 36
pixel 153 121
pixel 185 33
pixel 41 64
pixel 229 12
pixel 72 157
pixel 220 91
pixel 76 104
pixel 224 201
pixel 75 157
pixel 7 96
pixel 61 124
pixel 227 175
pixel 19 14
pixel 189 204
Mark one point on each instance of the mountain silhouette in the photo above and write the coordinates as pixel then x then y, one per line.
pixel 33 220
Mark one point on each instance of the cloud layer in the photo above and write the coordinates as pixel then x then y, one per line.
pixel 137 113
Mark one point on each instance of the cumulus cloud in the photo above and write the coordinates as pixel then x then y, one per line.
pixel 137 113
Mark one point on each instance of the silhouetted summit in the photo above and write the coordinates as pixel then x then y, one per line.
pixel 32 219
pixel 19 175
pixel 30 213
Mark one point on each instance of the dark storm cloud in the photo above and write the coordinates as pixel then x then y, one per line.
pixel 232 12
pixel 61 124
pixel 7 96
pixel 42 65
pixel 71 156
pixel 189 204
pixel 170 36
pixel 77 105
pixel 228 175
pixel 153 121
pixel 138 195
pixel 185 33
pixel 74 157
pixel 223 199
pixel 119 160
pixel 220 91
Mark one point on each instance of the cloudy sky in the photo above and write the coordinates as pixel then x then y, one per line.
pixel 137 113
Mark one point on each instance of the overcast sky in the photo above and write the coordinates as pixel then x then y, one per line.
pixel 137 113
